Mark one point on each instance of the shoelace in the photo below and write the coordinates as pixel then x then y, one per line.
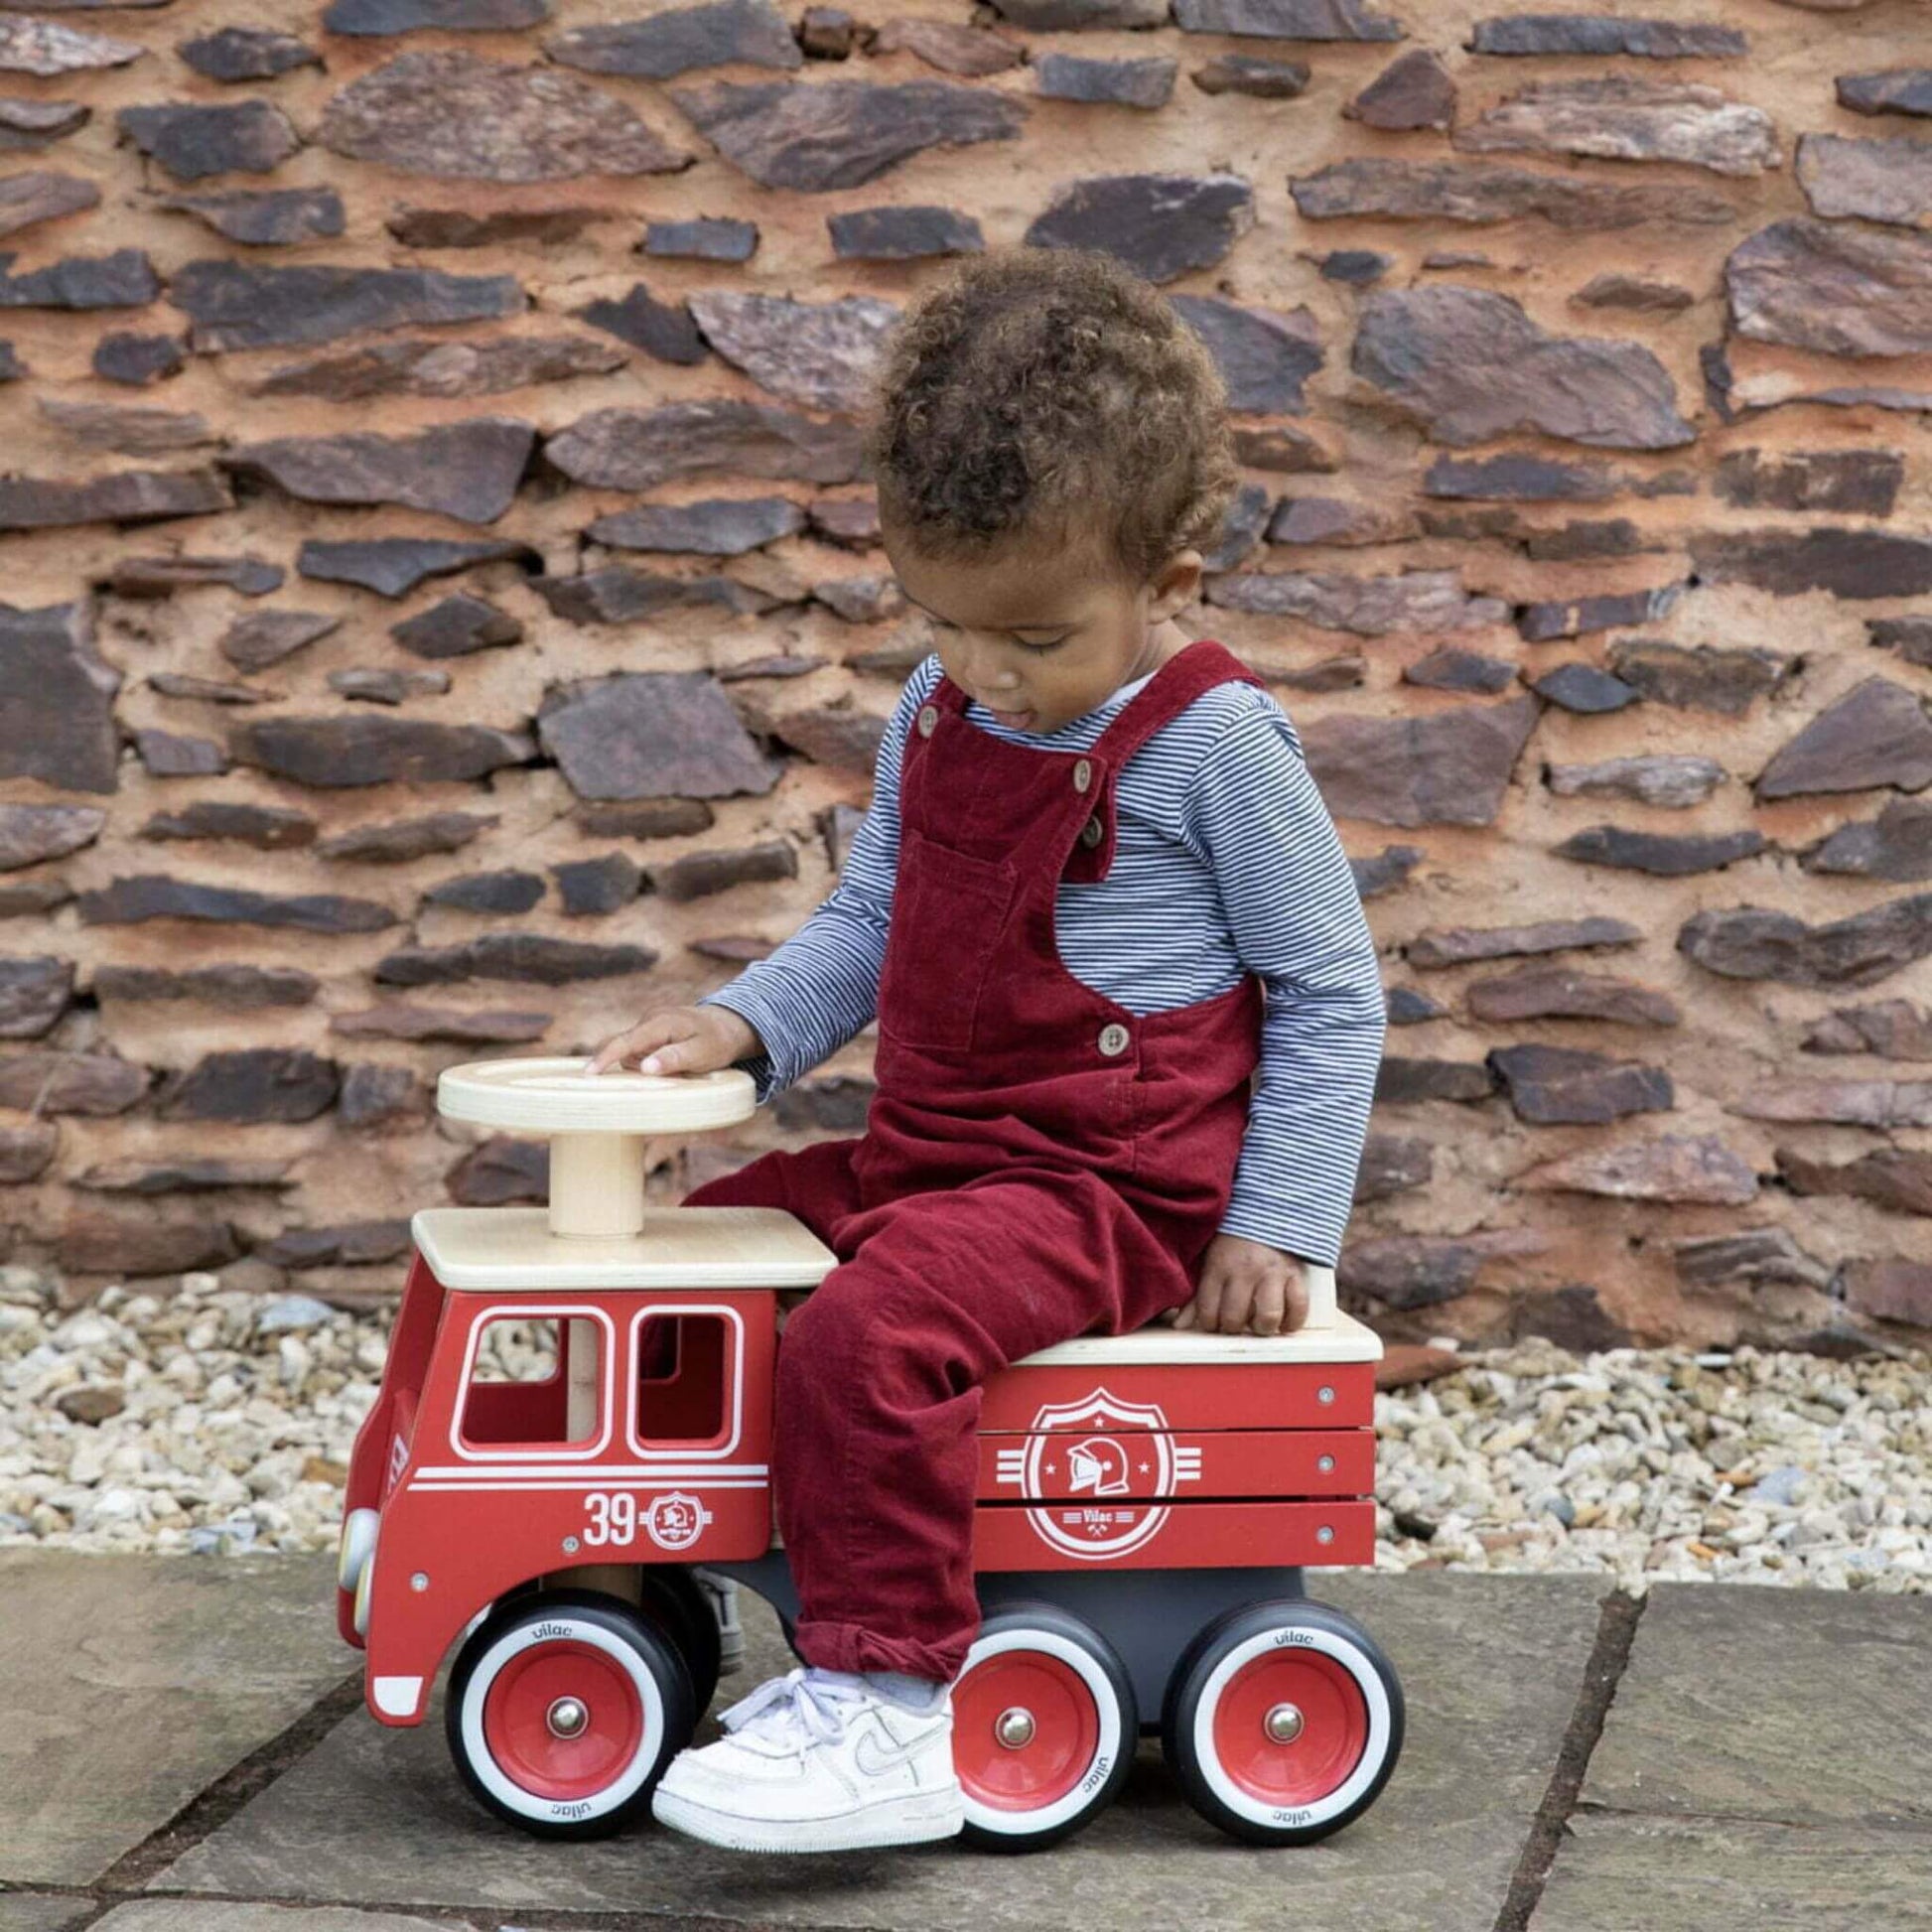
pixel 793 1709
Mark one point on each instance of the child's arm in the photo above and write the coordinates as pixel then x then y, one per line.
pixel 813 993
pixel 1256 817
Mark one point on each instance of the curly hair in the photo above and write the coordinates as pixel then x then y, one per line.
pixel 1050 395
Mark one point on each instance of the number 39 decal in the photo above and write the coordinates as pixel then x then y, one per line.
pixel 613 1517
pixel 674 1521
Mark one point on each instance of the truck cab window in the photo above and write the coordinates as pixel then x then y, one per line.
pixel 686 1367
pixel 532 1380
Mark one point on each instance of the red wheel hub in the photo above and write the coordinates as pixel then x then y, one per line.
pixel 1025 1729
pixel 563 1720
pixel 1323 1748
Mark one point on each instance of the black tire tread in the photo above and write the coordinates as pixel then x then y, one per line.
pixel 673 1598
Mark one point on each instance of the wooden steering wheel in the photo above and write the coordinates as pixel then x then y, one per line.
pixel 596 1125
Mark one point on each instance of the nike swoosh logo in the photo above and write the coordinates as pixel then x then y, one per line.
pixel 874 1758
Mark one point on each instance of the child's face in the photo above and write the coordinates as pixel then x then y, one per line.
pixel 1040 634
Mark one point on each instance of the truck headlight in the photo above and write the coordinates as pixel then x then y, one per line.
pixel 358 1540
pixel 362 1583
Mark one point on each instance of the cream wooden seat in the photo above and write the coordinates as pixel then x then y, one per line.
pixel 1340 1338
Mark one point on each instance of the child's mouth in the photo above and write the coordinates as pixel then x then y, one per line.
pixel 1014 718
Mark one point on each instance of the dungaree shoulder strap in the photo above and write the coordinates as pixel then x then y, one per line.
pixel 947 695
pixel 1194 668
pixel 944 696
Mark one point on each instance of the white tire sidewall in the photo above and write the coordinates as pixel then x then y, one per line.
pixel 1368 1682
pixel 490 1665
pixel 1087 1667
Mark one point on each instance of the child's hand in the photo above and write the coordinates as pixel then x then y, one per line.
pixel 680 1039
pixel 1246 1288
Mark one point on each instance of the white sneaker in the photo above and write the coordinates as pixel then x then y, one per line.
pixel 811 1762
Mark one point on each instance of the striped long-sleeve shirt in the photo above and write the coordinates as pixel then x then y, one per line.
pixel 1225 862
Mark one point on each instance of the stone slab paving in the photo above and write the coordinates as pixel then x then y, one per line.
pixel 32 1911
pixel 1491 1669
pixel 208 1915
pixel 130 1683
pixel 1777 1704
pixel 1624 1872
pixel 1767 1761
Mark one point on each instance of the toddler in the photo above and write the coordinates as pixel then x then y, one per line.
pixel 1129 1013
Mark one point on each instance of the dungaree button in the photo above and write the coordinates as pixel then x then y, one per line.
pixel 1083 775
pixel 928 717
pixel 1113 1038
pixel 1092 832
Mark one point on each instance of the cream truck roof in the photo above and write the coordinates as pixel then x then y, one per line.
pixel 496 1249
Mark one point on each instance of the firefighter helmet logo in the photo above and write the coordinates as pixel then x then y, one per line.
pixel 1073 1473
pixel 1098 1467
pixel 675 1521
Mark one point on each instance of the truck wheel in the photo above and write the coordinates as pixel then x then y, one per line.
pixel 1044 1727
pixel 676 1603
pixel 1281 1721
pixel 563 1712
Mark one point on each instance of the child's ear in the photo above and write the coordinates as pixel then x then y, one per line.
pixel 1177 586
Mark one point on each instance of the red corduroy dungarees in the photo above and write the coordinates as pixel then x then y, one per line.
pixel 1038 1162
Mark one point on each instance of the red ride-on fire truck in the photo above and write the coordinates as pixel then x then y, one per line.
pixel 566 1474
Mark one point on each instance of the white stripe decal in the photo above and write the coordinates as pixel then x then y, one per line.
pixel 600 1472
pixel 482 1489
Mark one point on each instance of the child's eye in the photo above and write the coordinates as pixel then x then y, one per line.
pixel 1024 644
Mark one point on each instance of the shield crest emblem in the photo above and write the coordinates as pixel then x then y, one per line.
pixel 1096 1531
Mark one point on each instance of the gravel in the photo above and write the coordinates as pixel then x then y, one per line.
pixel 216 1420
pixel 211 1420
pixel 1755 1466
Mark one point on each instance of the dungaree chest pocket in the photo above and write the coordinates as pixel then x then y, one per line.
pixel 949 917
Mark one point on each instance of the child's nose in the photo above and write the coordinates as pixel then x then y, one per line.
pixel 982 670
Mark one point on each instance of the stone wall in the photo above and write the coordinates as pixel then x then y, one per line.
pixel 445 617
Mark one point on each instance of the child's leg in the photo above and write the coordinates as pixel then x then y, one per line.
pixel 876 1456
pixel 814 1183
pixel 874 1463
